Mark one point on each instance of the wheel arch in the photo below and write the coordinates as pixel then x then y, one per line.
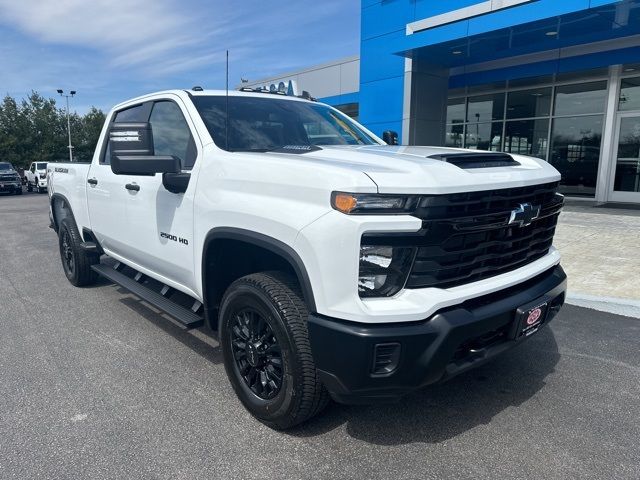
pixel 266 252
pixel 60 209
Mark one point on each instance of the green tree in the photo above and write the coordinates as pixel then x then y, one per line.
pixel 35 129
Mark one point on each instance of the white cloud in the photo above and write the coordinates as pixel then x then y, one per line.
pixel 131 32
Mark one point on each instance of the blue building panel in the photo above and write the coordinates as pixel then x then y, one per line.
pixel 382 101
pixel 532 27
pixel 341 99
pixel 378 59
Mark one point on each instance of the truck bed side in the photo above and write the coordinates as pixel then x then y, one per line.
pixel 68 184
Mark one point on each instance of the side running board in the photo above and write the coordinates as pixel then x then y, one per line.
pixel 183 315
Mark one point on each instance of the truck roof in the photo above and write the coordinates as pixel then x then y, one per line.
pixel 210 93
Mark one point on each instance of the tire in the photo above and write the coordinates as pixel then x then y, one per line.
pixel 270 304
pixel 76 263
pixel 18 192
pixel 29 187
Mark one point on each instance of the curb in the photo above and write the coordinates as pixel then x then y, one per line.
pixel 617 306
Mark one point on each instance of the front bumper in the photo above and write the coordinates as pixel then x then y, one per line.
pixel 444 345
pixel 10 187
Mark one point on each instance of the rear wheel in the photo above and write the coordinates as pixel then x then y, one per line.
pixel 267 356
pixel 76 263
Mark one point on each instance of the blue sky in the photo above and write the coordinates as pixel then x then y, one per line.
pixel 110 50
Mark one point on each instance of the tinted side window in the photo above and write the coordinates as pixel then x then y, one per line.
pixel 171 134
pixel 132 114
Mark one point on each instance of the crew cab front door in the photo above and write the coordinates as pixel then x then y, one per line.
pixel 105 190
pixel 159 224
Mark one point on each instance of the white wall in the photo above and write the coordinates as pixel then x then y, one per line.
pixel 327 80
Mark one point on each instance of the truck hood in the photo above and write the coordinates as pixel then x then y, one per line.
pixel 400 169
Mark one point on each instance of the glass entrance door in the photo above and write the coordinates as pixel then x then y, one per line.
pixel 626 174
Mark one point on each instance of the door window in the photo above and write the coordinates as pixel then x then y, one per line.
pixel 171 133
pixel 627 177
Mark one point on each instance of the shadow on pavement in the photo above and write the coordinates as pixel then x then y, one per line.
pixel 434 414
pixel 202 341
pixel 441 412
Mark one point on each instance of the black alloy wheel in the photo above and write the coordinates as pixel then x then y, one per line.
pixel 257 353
pixel 76 263
pixel 66 252
pixel 265 346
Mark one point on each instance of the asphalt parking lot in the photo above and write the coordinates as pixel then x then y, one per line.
pixel 95 384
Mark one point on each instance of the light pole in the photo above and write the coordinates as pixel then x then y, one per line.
pixel 71 94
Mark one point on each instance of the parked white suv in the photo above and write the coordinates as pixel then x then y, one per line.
pixel 36 177
pixel 329 263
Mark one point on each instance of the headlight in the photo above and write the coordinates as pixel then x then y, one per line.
pixel 383 270
pixel 372 203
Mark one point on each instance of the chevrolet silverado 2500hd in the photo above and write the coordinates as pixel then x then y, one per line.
pixel 330 263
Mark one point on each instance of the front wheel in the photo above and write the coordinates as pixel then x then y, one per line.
pixel 76 263
pixel 29 187
pixel 265 345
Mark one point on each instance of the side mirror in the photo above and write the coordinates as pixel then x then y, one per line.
pixel 390 137
pixel 132 151
pixel 144 164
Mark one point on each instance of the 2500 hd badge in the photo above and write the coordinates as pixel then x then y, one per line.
pixel 174 238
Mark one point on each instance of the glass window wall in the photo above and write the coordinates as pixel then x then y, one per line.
pixel 561 124
pixel 575 152
pixel 630 94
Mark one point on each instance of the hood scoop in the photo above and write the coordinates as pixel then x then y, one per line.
pixel 476 160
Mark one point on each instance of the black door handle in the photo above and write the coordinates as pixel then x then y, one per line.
pixel 92 181
pixel 132 186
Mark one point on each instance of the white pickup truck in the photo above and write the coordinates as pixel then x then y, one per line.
pixel 330 263
pixel 36 177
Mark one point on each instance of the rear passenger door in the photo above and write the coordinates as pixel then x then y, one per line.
pixel 160 223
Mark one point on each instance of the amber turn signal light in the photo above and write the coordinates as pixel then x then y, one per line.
pixel 344 202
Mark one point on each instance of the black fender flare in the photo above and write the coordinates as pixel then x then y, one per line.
pixel 268 243
pixel 65 201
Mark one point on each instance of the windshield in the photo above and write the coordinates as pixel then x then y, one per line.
pixel 41 166
pixel 263 124
pixel 5 166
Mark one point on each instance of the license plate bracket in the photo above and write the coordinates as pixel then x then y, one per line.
pixel 529 319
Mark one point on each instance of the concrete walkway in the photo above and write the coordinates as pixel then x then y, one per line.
pixel 601 253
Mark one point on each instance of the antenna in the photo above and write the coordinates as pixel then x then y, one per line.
pixel 226 115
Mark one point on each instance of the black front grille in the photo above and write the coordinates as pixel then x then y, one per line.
pixel 467 236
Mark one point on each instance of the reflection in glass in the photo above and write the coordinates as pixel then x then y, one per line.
pixel 575 152
pixel 529 103
pixel 527 137
pixel 485 108
pixel 171 134
pixel 630 94
pixel 484 136
pixel 628 165
pixel 455 135
pixel 581 98
pixel 350 109
pixel 455 110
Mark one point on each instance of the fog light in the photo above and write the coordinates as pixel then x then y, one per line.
pixel 383 269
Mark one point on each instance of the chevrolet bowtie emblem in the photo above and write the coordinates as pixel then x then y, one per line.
pixel 524 215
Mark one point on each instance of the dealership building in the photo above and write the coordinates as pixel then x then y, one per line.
pixel 555 79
